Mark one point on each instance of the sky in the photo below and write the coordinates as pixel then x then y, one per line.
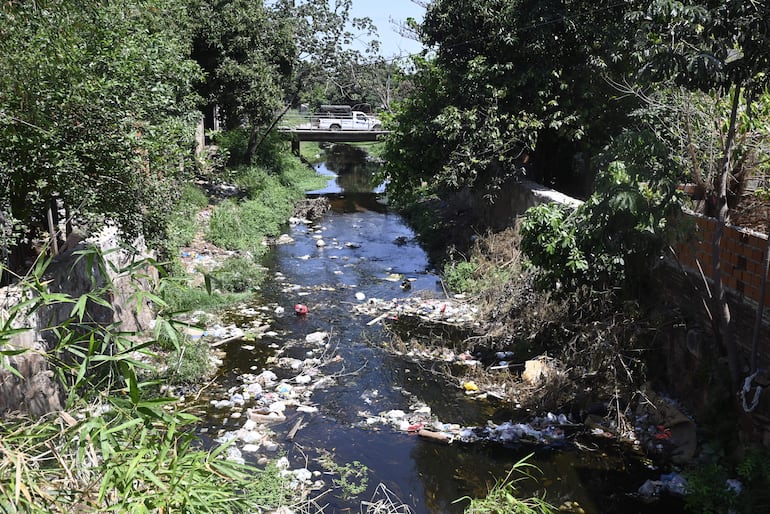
pixel 385 14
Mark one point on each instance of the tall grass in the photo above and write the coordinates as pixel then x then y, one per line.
pixel 503 497
pixel 111 449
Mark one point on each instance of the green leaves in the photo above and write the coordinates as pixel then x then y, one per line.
pixel 613 239
pixel 114 449
pixel 98 118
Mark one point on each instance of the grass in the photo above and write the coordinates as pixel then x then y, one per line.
pixel 271 187
pixel 188 365
pixel 182 225
pixel 112 448
pixel 503 496
pixel 495 260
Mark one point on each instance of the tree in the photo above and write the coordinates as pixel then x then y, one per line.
pixel 96 111
pixel 711 46
pixel 260 58
pixel 519 82
pixel 245 52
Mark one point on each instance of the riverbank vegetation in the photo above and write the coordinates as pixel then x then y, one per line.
pixel 112 445
pixel 98 111
pixel 616 104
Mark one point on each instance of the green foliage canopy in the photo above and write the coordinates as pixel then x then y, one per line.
pixel 95 109
pixel 508 80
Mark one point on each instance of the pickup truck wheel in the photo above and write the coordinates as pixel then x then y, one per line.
pixel 335 127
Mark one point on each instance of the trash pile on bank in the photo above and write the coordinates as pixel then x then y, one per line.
pixel 454 312
pixel 263 400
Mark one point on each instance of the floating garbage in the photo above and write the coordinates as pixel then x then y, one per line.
pixel 316 337
pixel 672 483
pixel 424 310
pixel 300 309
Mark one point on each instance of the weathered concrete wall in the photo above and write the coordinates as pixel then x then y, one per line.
pixel 38 392
pixel 514 198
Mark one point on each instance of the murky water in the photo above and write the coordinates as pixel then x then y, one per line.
pixel 365 244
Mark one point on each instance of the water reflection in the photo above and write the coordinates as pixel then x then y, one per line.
pixel 350 171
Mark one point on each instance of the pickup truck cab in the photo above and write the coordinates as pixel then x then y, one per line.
pixel 356 120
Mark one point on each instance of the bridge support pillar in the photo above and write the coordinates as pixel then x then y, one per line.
pixel 295 146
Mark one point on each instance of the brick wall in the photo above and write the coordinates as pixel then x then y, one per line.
pixel 742 251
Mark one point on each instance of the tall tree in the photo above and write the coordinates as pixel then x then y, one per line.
pixel 713 46
pixel 259 58
pixel 95 111
pixel 515 81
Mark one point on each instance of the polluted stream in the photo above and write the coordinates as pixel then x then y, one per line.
pixel 313 386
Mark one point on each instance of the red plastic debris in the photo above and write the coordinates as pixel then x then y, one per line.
pixel 300 309
pixel 415 428
pixel 663 433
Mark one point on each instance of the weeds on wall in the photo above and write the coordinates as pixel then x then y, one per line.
pixel 111 448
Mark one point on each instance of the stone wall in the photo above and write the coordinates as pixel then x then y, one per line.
pixel 39 392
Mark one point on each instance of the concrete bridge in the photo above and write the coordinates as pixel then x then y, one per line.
pixel 331 136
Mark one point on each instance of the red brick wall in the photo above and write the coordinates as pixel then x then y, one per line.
pixel 741 255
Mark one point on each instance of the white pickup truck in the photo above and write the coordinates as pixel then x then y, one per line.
pixel 356 120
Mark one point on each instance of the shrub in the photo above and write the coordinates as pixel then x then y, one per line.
pixel 503 497
pixel 612 240
pixel 182 223
pixel 190 364
pixel 238 275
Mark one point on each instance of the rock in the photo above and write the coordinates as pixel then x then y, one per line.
pixel 270 446
pixel 251 448
pixel 234 455
pixel 360 296
pixel 250 437
pixel 320 243
pixel 284 239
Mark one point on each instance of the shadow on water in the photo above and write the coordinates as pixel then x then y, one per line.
pixel 427 476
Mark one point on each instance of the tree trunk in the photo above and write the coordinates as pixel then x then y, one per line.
pixel 722 308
